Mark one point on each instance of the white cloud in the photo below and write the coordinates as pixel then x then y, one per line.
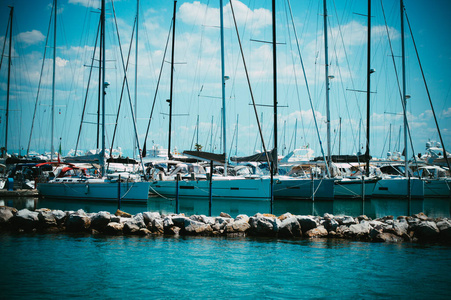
pixel 31 37
pixel 86 3
pixel 60 62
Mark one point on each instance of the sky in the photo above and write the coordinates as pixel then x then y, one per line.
pixel 197 75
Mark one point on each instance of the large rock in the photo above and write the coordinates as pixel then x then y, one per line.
pixel 263 226
pixel 307 223
pixel 78 221
pixel 157 226
pixel 100 220
pixel 131 228
pixel 360 230
pixel 47 219
pixel 114 228
pixel 331 225
pixel 426 230
pixel 25 220
pixel 384 237
pixel 290 227
pixel 317 232
pixel 445 230
pixel 192 227
pixel 6 213
pixel 237 226
pixel 345 220
pixel 203 219
pixel 149 217
pixel 220 224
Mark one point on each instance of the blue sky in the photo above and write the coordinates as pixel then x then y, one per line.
pixel 197 74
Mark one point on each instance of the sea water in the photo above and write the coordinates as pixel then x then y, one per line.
pixel 61 266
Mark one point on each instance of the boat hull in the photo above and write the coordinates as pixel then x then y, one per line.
pixel 437 188
pixel 258 189
pixel 352 188
pixel 303 188
pixel 398 188
pixel 129 191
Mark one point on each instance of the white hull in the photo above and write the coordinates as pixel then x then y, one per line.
pixel 398 187
pixel 95 190
pixel 352 188
pixel 222 187
pixel 286 187
pixel 437 188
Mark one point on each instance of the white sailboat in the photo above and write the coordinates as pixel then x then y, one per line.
pixel 111 187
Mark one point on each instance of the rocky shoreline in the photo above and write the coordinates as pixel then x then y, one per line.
pixel 416 228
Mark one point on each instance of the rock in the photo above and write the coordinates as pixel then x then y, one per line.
pixel 167 222
pixel 78 221
pixel 100 220
pixel 174 230
pixel 179 220
pixel 379 225
pixel 385 237
pixel 241 217
pixel 122 214
pixel 224 215
pixel 193 227
pixel 360 230
pixel 285 216
pixel 317 232
pixel 25 220
pixel 263 225
pixel 421 216
pixel 426 230
pixel 203 219
pixel 60 216
pixel 239 226
pixel 328 216
pixel 47 219
pixel 363 217
pixel 445 230
pixel 144 232
pixel 114 228
pixel 401 227
pixel 307 223
pixel 6 213
pixel 330 225
pixel 289 228
pixel 345 220
pixel 157 226
pixel 149 217
pixel 220 223
pixel 131 228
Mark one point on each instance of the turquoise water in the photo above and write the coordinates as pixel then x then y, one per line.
pixel 77 266
pixel 373 208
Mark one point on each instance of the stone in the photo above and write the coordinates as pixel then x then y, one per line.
pixel 445 230
pixel 6 213
pixel 25 220
pixel 421 216
pixel 330 225
pixel 290 227
pixel 307 223
pixel 317 232
pixel 179 220
pixel 174 230
pixel 122 214
pixel 100 220
pixel 224 215
pixel 78 221
pixel 203 219
pixel 114 228
pixel 241 217
pixel 157 226
pixel 60 216
pixel 263 225
pixel 47 219
pixel 131 228
pixel 285 216
pixel 192 227
pixel 386 237
pixel 144 232
pixel 401 227
pixel 149 217
pixel 426 230
pixel 237 226
pixel 360 230
pixel 220 223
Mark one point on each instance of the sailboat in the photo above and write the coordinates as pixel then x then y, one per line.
pixel 222 186
pixel 77 184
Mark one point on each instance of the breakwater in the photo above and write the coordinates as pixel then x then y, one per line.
pixel 416 228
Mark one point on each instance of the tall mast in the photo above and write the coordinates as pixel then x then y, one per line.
pixel 326 61
pixel 52 148
pixel 404 98
pixel 274 64
pixel 9 76
pixel 224 137
pixel 136 74
pixel 172 80
pixel 103 85
pixel 368 92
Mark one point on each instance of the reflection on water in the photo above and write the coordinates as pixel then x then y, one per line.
pixel 373 208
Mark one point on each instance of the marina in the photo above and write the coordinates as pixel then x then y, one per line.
pixel 185 149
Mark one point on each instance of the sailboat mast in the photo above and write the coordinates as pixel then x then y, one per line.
pixel 102 83
pixel 136 74
pixel 52 147
pixel 404 98
pixel 326 62
pixel 274 64
pixel 368 92
pixel 172 80
pixel 224 137
pixel 9 76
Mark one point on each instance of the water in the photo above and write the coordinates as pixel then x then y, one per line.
pixel 373 208
pixel 63 265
